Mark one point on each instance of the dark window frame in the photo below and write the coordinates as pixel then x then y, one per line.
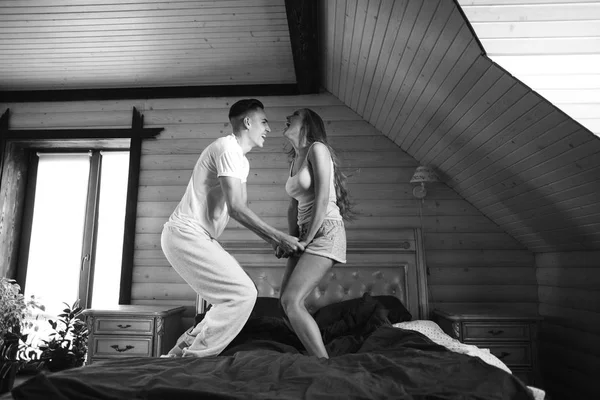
pixel 15 142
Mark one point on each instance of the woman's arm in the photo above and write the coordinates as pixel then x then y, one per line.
pixel 319 160
pixel 293 229
pixel 292 216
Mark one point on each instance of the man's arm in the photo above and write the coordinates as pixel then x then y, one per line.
pixel 236 198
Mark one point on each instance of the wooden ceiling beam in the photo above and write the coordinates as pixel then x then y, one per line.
pixel 302 16
pixel 149 93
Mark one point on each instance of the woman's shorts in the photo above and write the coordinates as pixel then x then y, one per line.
pixel 330 240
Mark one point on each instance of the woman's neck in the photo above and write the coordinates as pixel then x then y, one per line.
pixel 302 150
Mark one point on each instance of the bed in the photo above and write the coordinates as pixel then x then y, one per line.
pixel 374 323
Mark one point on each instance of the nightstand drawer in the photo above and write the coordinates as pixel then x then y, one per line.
pixel 495 331
pixel 131 330
pixel 513 355
pixel 127 326
pixel 114 346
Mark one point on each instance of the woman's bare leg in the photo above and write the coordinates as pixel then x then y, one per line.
pixel 308 272
pixel 289 268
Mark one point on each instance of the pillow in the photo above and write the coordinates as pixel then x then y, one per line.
pixel 270 307
pixel 357 316
pixel 264 307
pixel 396 312
pixel 333 313
pixel 269 331
pixel 267 307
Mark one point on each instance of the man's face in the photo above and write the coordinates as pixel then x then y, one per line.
pixel 258 127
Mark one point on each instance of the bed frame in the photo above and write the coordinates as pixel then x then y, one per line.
pixel 393 268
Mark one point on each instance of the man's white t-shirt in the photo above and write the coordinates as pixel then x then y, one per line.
pixel 203 206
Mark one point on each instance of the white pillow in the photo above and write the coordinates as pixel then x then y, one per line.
pixel 438 336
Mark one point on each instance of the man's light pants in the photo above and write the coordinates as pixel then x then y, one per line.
pixel 219 279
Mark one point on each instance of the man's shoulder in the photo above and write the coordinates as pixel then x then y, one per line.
pixel 219 141
pixel 224 143
pixel 216 147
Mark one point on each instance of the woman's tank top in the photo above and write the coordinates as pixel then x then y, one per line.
pixel 301 187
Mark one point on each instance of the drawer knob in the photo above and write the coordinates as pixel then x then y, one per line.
pixel 120 350
pixel 504 354
pixel 496 332
pixel 124 326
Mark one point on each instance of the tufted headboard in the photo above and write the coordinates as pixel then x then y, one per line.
pixel 394 268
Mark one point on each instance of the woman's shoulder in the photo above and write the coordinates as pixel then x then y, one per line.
pixel 318 149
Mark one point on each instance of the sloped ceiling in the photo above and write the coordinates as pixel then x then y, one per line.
pixel 417 72
pixel 94 44
pixel 553 46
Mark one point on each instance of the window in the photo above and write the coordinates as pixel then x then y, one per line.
pixel 73 244
pixel 106 254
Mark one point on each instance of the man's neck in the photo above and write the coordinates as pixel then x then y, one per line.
pixel 243 142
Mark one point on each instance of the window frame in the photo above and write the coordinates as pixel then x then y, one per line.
pixel 88 247
pixel 13 142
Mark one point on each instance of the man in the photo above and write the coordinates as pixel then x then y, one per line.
pixel 216 191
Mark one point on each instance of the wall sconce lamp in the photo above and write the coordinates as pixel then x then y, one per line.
pixel 423 174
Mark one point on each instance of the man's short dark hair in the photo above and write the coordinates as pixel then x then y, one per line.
pixel 242 107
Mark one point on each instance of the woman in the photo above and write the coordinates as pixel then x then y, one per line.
pixel 319 203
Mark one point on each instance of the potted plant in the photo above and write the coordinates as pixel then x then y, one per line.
pixel 67 345
pixel 15 318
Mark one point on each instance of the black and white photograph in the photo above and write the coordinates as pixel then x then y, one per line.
pixel 299 199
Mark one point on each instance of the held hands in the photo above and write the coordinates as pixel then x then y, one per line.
pixel 279 253
pixel 288 246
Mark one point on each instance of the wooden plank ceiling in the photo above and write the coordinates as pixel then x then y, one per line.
pixel 91 44
pixel 415 70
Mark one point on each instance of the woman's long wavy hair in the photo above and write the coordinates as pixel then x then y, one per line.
pixel 313 129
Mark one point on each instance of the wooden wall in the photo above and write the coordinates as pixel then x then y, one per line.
pixel 569 294
pixel 470 259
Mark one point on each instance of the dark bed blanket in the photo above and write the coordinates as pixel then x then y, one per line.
pixel 391 364
pixel 370 359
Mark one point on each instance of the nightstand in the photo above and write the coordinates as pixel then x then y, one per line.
pixel 131 331
pixel 508 334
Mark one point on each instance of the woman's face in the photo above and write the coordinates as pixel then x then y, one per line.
pixel 293 128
